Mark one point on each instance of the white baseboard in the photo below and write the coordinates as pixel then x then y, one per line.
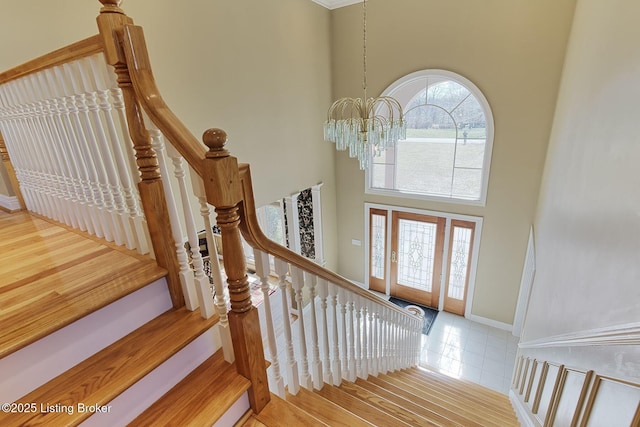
pixel 490 322
pixel 624 334
pixel 9 203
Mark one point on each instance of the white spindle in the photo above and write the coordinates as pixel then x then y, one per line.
pixel 323 293
pixel 352 372
pixel 77 163
pixel 293 382
pixel 366 334
pixel 60 147
pixel 342 300
pixel 386 339
pixel 105 144
pixel 92 189
pixel 336 367
pixel 263 269
pixel 90 130
pixel 375 348
pixel 358 350
pixel 186 274
pixel 316 364
pixel 203 287
pixel 297 281
pixel 220 299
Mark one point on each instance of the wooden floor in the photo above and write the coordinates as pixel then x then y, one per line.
pixel 51 276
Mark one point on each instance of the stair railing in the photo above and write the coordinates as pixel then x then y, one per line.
pixel 347 318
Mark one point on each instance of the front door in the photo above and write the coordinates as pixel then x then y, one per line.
pixel 417 243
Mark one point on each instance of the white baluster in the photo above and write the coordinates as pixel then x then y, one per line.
pixel 336 366
pixel 357 301
pixel 129 204
pixel 118 212
pixel 187 280
pixel 92 188
pixel 375 346
pixel 385 340
pixel 316 364
pixel 133 203
pixel 343 330
pixel 293 382
pixel 297 281
pixel 90 130
pixel 202 285
pixel 323 293
pixel 220 300
pixel 42 179
pixel 366 334
pixel 352 371
pixel 70 142
pixel 263 269
pixel 66 158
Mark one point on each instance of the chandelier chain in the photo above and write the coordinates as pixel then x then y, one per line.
pixel 364 48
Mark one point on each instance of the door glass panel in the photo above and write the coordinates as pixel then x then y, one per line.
pixel 461 246
pixel 378 247
pixel 416 247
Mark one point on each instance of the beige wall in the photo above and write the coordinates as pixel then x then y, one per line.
pixel 260 70
pixel 513 51
pixel 587 226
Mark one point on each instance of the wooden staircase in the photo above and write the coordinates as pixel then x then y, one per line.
pixel 71 278
pixel 412 397
pixel 63 292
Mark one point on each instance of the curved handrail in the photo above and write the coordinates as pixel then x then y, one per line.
pixel 253 234
pixel 194 152
pixel 143 81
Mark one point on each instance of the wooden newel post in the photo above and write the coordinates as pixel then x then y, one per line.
pixel 222 185
pixel 111 23
pixel 4 155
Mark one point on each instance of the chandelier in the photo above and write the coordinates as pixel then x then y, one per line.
pixel 366 126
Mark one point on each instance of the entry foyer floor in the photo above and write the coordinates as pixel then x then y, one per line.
pixel 464 349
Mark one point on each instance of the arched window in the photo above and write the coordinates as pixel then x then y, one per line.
pixel 447 152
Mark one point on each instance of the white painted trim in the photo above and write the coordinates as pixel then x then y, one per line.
pixel 521 411
pixel 489 322
pixel 335 4
pixel 10 203
pixel 624 334
pixel 526 282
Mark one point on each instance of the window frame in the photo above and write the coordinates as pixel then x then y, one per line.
pixel 405 83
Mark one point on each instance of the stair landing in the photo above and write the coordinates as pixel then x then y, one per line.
pixel 50 276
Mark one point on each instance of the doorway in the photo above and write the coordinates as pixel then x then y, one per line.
pixel 423 257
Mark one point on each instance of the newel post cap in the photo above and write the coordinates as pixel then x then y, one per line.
pixel 215 139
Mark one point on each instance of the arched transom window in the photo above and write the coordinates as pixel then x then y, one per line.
pixel 447 152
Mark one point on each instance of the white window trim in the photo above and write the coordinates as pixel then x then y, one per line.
pixel 408 79
pixel 445 258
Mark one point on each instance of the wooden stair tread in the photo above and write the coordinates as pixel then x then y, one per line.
pixel 436 415
pixel 365 410
pixel 279 412
pixel 426 372
pixel 463 416
pixel 480 413
pixel 390 407
pixel 103 376
pixel 454 389
pixel 325 410
pixel 200 399
pixel 66 276
pixel 253 422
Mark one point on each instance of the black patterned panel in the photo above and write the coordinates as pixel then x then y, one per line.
pixel 305 220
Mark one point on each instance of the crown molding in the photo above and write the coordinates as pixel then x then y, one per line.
pixel 335 4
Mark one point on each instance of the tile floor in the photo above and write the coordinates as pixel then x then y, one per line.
pixel 469 350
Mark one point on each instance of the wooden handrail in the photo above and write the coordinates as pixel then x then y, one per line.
pixel 81 49
pixel 253 234
pixel 135 50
